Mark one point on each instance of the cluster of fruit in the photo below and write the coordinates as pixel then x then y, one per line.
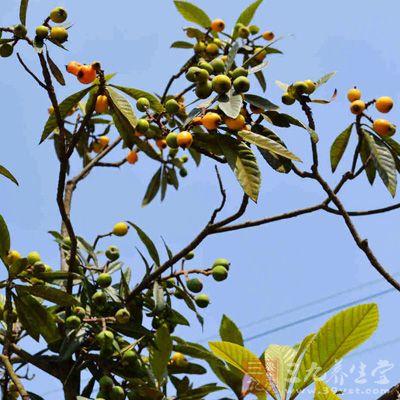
pixel 384 104
pixel 86 74
pixel 298 89
pixel 108 390
pixel 58 34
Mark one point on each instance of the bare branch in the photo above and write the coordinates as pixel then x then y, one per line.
pixel 26 68
pixel 14 377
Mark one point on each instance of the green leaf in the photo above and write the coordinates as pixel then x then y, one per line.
pixel 27 319
pixel 65 107
pixel 123 116
pixel 17 267
pixel 258 67
pixel 339 146
pixel 324 392
pixel 180 44
pixel 284 86
pixel 243 163
pixel 160 353
pixel 366 158
pixel 244 360
pixel 324 79
pixel 137 94
pixel 268 144
pixel 384 162
pixel 278 361
pixel 195 155
pixel 159 298
pixel 151 248
pixel 43 318
pixel 193 13
pixel 247 15
pixel 4 238
pixel 55 70
pixel 261 80
pixel 231 56
pixel 338 336
pixel 51 294
pixel 153 188
pixel 232 107
pixel 260 102
pixel 23 8
pixel 229 332
pixel 5 172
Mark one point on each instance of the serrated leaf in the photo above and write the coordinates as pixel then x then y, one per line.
pixel 65 107
pixel 267 144
pixel 384 162
pixel 180 44
pixel 137 94
pixel 151 248
pixel 229 332
pixel 193 13
pixel 260 102
pixel 339 146
pixel 245 361
pixel 6 173
pixel 278 361
pixel 55 70
pixel 232 107
pixel 23 8
pixel 324 79
pixel 324 392
pixel 4 238
pixel 152 188
pixel 243 163
pixel 338 336
pixel 50 294
pixel 247 15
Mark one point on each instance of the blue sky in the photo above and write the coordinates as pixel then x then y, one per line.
pixel 274 267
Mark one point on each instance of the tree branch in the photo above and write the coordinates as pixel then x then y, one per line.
pixel 14 377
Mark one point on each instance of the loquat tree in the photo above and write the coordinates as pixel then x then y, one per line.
pixel 87 315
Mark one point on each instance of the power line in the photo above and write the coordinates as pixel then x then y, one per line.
pixel 317 315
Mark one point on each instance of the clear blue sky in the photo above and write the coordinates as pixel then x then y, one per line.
pixel 274 267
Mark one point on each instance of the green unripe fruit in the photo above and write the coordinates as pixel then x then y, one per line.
pixel 202 75
pixel 218 42
pixel 189 256
pixel 202 300
pixel 129 358
pixel 212 49
pixel 142 125
pixel 39 267
pixel 218 65
pixel 79 311
pixel 171 140
pixel 48 268
pixel 170 282
pixel 142 104
pixel 204 90
pixel 117 393
pixel 42 32
pixel 173 152
pixel 33 257
pixel 244 32
pixel 219 273
pixel 183 172
pixel 178 294
pixel 239 71
pixel 199 47
pixel 20 31
pixel 172 106
pixel 288 99
pixel 104 280
pixel 222 261
pixel 58 34
pixel 72 322
pixel 106 383
pixel 241 84
pixel 105 338
pixel 184 159
pixel 254 29
pixel 195 285
pixel 207 66
pixel 122 316
pixel 221 84
pixel 99 298
pixel 311 86
pixel 101 396
pixel 300 87
pixel 112 253
pixel 191 74
pixel 58 15
pixel 6 50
